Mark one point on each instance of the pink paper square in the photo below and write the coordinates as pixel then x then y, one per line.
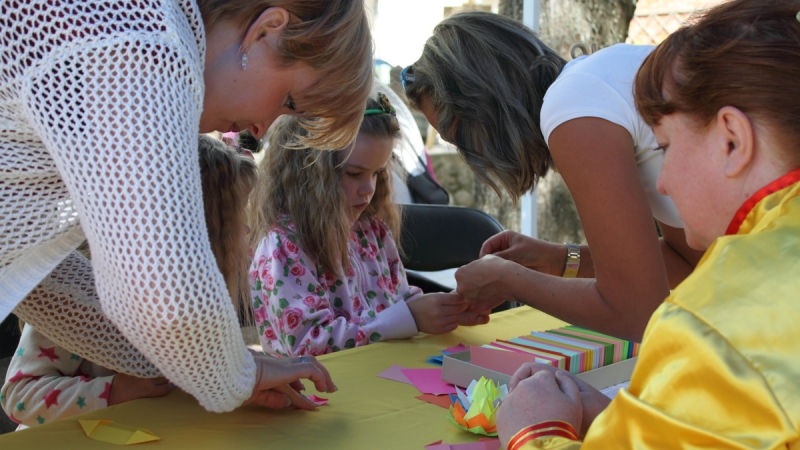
pixel 429 381
pixel 318 400
pixel 456 349
pixel 395 373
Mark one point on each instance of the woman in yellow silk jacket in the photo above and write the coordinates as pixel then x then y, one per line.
pixel 719 365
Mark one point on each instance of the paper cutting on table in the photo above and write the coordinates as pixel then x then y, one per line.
pixel 318 400
pixel 455 349
pixel 438 400
pixel 612 391
pixel 429 381
pixel 435 360
pixel 116 433
pixel 395 373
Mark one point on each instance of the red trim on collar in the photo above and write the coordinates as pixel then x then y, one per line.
pixel 782 182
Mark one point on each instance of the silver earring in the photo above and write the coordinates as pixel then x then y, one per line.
pixel 244 61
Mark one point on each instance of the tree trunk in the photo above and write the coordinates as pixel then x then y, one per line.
pixel 563 23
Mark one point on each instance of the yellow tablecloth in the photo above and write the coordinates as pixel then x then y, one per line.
pixel 366 413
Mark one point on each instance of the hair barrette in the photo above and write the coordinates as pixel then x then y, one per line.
pixel 385 104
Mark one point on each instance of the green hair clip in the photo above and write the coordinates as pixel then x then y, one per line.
pixel 386 107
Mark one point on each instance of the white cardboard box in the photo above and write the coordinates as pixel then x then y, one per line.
pixel 457 368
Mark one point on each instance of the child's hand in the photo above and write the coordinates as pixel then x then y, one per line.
pixel 125 388
pixel 442 312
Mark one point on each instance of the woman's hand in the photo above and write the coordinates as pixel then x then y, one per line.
pixel 439 313
pixel 593 402
pixel 278 381
pixel 541 256
pixel 125 388
pixel 539 398
pixel 483 283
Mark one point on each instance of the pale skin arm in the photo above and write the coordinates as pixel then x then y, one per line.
pixel 595 158
pixel 551 258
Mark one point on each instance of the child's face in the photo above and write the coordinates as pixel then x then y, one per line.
pixel 693 176
pixel 360 176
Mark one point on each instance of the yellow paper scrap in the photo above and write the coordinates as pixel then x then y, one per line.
pixel 116 433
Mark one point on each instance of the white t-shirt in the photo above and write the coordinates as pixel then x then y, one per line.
pixel 601 85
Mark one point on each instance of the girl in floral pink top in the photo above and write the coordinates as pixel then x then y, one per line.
pixel 326 272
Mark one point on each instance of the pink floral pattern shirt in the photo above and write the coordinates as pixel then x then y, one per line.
pixel 302 309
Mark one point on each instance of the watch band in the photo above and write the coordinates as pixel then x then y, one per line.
pixel 573 261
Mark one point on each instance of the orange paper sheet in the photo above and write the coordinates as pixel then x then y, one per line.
pixel 438 400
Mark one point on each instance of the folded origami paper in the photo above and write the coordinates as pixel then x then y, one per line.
pixel 395 373
pixel 438 400
pixel 428 381
pixel 318 400
pixel 116 433
pixel 474 410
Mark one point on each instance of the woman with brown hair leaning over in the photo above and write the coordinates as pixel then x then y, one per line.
pixel 515 109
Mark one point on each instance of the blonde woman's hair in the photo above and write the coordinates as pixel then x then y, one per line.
pixel 333 38
pixel 227 178
pixel 485 76
pixel 306 184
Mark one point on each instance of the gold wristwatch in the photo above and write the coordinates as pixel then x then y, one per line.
pixel 573 261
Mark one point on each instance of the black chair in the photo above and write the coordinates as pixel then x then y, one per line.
pixel 9 338
pixel 438 237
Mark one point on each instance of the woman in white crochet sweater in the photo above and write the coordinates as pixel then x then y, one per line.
pixel 100 106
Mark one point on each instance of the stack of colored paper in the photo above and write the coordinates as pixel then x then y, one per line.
pixel 570 348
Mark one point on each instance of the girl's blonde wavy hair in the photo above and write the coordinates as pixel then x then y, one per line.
pixel 333 38
pixel 305 184
pixel 227 178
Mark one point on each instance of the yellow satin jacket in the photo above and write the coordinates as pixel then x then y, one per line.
pixel 719 366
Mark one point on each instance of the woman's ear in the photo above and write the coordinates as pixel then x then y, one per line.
pixel 269 25
pixel 737 130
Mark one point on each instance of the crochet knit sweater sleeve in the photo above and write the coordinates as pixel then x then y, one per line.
pixel 117 105
pixel 69 292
